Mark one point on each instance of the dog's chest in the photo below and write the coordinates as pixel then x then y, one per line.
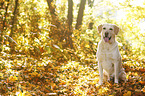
pixel 108 53
pixel 108 62
pixel 107 57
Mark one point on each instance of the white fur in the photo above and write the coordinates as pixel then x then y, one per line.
pixel 108 56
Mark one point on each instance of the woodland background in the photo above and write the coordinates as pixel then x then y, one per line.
pixel 48 47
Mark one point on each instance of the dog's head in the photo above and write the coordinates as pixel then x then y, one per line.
pixel 108 31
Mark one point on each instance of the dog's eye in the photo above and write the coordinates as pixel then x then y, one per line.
pixel 110 29
pixel 104 28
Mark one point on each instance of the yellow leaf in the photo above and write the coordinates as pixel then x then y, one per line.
pixel 1 75
pixel 25 93
pixel 143 89
pixel 19 93
pixel 136 74
pixel 13 78
pixel 127 77
pixel 127 94
pixel 87 46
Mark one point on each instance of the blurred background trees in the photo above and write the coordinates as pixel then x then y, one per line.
pixel 34 27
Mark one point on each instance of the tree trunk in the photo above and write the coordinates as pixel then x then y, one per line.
pixel 80 14
pixel 60 33
pixel 70 13
pixel 14 17
pixel 70 20
pixel 5 16
pixel 51 8
pixel 1 4
pixel 55 32
pixel 53 13
pixel 91 23
pixel 13 25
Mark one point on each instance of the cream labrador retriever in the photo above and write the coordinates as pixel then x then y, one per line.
pixel 109 58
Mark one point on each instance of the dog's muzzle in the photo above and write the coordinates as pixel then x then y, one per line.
pixel 106 38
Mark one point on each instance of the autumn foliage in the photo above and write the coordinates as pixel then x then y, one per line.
pixel 42 53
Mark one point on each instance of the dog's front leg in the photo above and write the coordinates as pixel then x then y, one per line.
pixel 100 73
pixel 116 70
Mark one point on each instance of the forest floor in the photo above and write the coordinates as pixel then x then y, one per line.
pixel 25 76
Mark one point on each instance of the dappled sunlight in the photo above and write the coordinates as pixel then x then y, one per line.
pixel 79 77
pixel 48 47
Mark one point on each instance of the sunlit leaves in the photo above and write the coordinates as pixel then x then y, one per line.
pixel 44 64
pixel 13 78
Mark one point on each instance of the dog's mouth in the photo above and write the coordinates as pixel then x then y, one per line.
pixel 106 39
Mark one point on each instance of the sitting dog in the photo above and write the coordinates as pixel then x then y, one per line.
pixel 108 56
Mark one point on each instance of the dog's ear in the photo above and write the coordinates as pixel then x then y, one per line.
pixel 116 29
pixel 100 28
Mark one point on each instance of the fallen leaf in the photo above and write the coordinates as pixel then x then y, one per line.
pixel 142 82
pixel 143 89
pixel 127 94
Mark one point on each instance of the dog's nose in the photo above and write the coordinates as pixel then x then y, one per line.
pixel 106 34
